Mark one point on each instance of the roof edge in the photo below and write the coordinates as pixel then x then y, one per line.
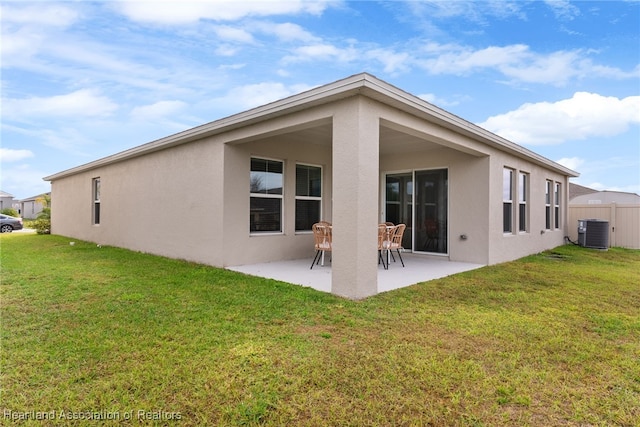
pixel 318 95
pixel 363 83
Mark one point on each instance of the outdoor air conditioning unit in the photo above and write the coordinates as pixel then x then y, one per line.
pixel 593 233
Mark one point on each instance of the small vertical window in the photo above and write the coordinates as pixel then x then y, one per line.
pixel 547 205
pixel 523 188
pixel 308 196
pixel 96 201
pixel 507 201
pixel 556 205
pixel 266 181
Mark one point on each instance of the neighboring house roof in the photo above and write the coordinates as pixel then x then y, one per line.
pixel 606 197
pixel 576 190
pixel 34 198
pixel 359 84
pixel 5 194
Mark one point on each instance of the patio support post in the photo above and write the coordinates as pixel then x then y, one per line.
pixel 355 199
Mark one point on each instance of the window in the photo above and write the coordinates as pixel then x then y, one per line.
pixel 523 188
pixel 308 196
pixel 507 201
pixel 96 200
pixel 265 210
pixel 547 205
pixel 556 205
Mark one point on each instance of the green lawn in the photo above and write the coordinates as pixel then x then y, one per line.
pixel 88 332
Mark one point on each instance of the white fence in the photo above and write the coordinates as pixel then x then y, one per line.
pixel 624 222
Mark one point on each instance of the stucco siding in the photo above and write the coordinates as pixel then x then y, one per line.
pixel 242 247
pixel 468 196
pixel 188 195
pixel 509 246
pixel 164 203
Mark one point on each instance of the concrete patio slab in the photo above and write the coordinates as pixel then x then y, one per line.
pixel 418 268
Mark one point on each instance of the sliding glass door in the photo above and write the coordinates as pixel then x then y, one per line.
pixel 423 207
pixel 431 211
pixel 399 204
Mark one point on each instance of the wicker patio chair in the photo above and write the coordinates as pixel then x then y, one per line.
pixel 322 240
pixel 383 243
pixel 396 241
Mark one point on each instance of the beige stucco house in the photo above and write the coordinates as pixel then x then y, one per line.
pixel 31 207
pixel 6 200
pixel 355 152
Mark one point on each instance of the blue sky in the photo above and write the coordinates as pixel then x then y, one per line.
pixel 82 80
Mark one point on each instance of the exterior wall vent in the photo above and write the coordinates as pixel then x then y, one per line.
pixel 593 233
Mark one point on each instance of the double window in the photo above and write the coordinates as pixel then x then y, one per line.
pixel 547 205
pixel 552 205
pixel 511 193
pixel 267 196
pixel 523 189
pixel 96 200
pixel 556 205
pixel 308 196
pixel 266 182
pixel 507 200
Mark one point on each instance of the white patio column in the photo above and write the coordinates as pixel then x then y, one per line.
pixel 354 264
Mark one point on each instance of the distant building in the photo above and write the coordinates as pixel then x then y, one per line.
pixel 6 200
pixel 576 190
pixel 621 210
pixel 606 197
pixel 30 207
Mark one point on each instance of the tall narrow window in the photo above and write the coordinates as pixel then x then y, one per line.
pixel 523 188
pixel 308 196
pixel 96 200
pixel 507 201
pixel 556 205
pixel 547 205
pixel 265 210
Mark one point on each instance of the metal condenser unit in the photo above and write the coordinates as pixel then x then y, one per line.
pixel 593 233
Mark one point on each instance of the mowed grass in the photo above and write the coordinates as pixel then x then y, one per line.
pixel 549 340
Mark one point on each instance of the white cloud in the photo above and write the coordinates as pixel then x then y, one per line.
pixel 572 163
pixel 81 103
pixel 583 116
pixel 286 32
pixel 563 9
pixel 254 95
pixel 475 11
pixel 24 181
pixel 292 32
pixel 42 13
pixel 172 12
pixel 393 61
pixel 433 99
pixel 322 52
pixel 461 60
pixel 226 50
pixel 25 29
pixel 11 155
pixel 516 62
pixel 67 139
pixel 232 34
pixel 157 110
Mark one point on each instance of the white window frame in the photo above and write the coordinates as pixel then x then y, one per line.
pixel 508 200
pixel 268 196
pixel 547 205
pixel 310 197
pixel 95 190
pixel 523 197
pixel 556 205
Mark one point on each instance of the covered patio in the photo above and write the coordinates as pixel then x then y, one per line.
pixel 418 268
